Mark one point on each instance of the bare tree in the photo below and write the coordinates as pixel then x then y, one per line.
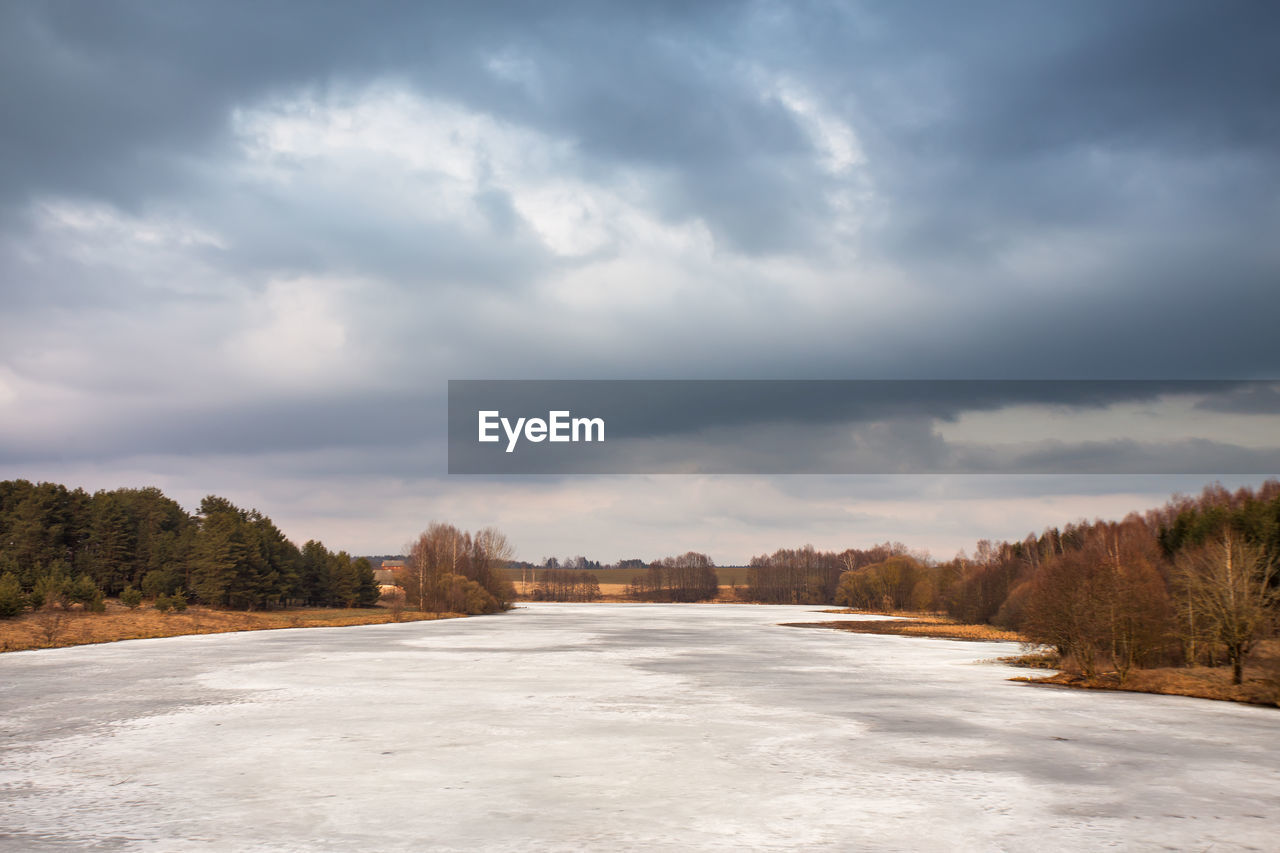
pixel 433 555
pixel 446 567
pixel 1228 582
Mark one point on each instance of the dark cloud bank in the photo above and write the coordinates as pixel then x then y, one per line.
pixel 838 191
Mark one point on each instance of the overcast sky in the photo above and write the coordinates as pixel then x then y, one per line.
pixel 243 246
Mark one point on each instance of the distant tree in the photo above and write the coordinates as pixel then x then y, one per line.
pixel 131 598
pixel 567 585
pixel 688 577
pixel 807 576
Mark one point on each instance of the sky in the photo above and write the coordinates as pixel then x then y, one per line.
pixel 244 246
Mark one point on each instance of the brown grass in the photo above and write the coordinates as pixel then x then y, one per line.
pixel 1261 680
pixel 1200 682
pixel 613 592
pixel 57 628
pixel 919 625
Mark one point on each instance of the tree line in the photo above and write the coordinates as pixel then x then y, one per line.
pixel 688 577
pixel 566 585
pixel 1191 582
pixel 808 576
pixel 62 546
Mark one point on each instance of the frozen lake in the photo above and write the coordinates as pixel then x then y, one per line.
pixel 571 727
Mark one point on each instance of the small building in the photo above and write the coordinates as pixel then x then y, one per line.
pixel 389 573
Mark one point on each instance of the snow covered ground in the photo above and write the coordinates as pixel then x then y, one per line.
pixel 610 726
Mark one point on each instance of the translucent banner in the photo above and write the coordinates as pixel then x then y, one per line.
pixel 1213 427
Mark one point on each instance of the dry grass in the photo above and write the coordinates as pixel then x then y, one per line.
pixel 1201 682
pixel 613 592
pixel 1261 680
pixel 57 628
pixel 919 625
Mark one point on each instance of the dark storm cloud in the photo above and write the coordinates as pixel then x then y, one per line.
pixel 1254 398
pixel 984 123
pixel 1141 137
pixel 115 99
pixel 1137 142
pixel 999 83
pixel 108 95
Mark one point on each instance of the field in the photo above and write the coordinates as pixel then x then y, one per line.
pixel 55 629
pixel 729 576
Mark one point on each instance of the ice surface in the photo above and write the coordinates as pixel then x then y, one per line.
pixel 609 726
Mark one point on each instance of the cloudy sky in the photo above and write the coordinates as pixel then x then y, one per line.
pixel 243 246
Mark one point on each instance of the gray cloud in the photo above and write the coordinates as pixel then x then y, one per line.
pixel 764 190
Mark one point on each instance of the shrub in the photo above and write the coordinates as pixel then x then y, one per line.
pixel 478 599
pixel 50 589
pixel 12 599
pixel 178 601
pixel 164 604
pixel 131 598
pixel 82 590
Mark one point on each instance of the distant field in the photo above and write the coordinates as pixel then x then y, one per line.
pixel 729 575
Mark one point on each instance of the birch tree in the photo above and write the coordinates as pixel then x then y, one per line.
pixel 1228 582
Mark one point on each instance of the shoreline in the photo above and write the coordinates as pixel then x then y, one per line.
pixel 1192 683
pixel 916 625
pixel 1199 682
pixel 57 629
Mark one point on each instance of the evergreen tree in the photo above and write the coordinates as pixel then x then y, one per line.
pixel 112 543
pixel 12 600
pixel 367 591
pixel 316 566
